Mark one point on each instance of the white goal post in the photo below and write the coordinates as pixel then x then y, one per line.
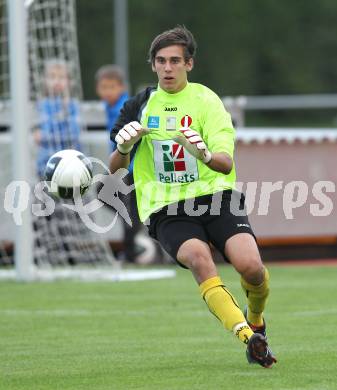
pixel 37 34
pixel 18 56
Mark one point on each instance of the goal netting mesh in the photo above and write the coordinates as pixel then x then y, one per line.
pixel 64 246
pixel 61 239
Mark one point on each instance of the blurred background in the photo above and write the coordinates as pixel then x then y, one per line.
pixel 258 47
pixel 274 65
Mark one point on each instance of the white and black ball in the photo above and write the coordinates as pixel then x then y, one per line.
pixel 67 173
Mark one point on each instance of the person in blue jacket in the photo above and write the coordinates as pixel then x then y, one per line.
pixel 59 114
pixel 111 87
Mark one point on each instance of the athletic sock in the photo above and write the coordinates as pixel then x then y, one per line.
pixel 223 305
pixel 256 297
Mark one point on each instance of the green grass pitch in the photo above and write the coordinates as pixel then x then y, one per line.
pixel 160 335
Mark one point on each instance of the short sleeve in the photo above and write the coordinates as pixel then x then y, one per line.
pixel 217 127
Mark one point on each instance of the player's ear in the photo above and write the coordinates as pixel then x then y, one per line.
pixel 189 64
pixel 153 67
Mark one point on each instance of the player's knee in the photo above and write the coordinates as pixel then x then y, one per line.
pixel 200 261
pixel 252 270
pixel 194 255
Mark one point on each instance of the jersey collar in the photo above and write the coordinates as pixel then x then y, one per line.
pixel 173 95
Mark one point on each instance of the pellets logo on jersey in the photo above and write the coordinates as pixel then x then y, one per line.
pixel 186 121
pixel 173 164
pixel 173 158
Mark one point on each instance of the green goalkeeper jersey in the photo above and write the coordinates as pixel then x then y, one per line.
pixel 164 172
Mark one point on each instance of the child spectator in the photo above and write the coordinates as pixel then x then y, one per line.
pixel 112 90
pixel 59 124
pixel 111 87
pixel 58 236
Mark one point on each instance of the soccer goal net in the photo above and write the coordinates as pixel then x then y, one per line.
pixel 62 244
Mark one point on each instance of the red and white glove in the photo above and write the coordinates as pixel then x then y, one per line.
pixel 194 144
pixel 129 135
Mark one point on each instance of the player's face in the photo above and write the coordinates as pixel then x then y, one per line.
pixel 109 90
pixel 57 80
pixel 171 68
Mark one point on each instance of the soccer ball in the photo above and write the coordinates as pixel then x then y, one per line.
pixel 147 249
pixel 68 173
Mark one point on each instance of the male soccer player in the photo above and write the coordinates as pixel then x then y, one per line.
pixel 182 140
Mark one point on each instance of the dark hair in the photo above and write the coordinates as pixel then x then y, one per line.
pixel 179 35
pixel 111 72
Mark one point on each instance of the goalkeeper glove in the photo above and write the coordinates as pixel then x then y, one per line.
pixel 194 144
pixel 129 135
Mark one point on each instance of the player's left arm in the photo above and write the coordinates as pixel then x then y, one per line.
pixel 221 162
pixel 192 141
pixel 214 145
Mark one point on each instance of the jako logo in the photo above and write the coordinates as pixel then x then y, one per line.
pixel 171 109
pixel 243 225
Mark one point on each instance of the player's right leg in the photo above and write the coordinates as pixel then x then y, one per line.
pixel 242 251
pixel 232 235
pixel 195 254
pixel 185 239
